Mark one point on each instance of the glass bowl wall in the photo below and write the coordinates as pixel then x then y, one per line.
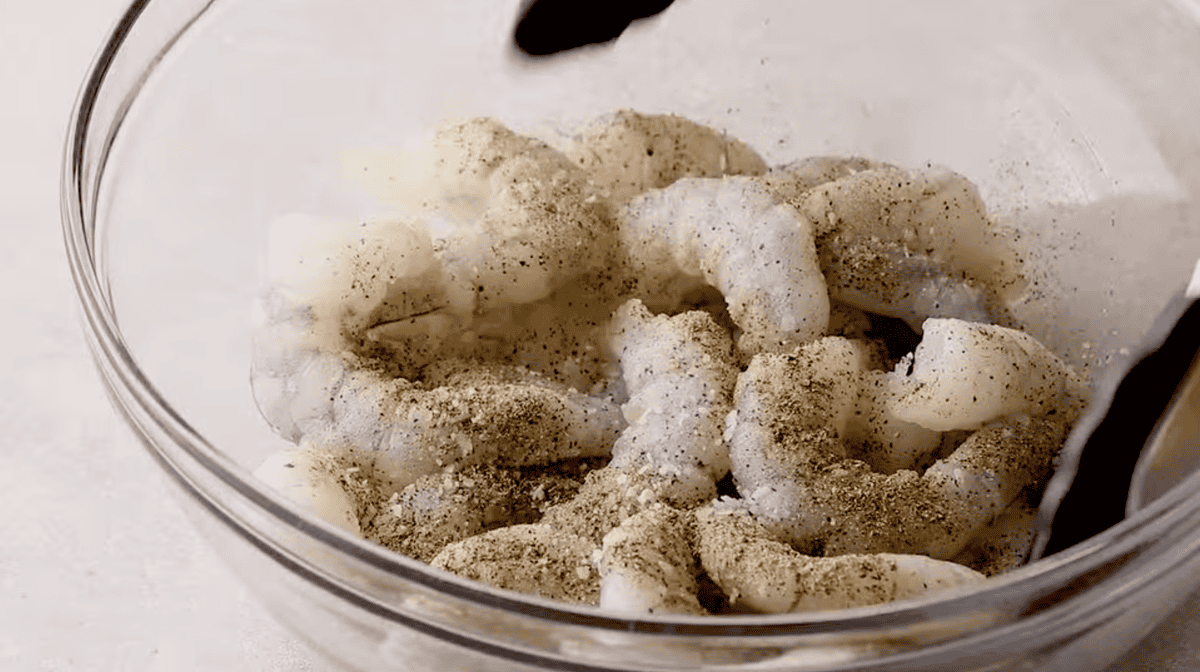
pixel 202 121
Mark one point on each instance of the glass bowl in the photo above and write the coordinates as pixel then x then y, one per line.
pixel 201 121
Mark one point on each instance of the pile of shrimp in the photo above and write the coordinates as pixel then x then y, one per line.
pixel 646 372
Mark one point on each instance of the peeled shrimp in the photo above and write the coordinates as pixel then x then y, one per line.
pixel 356 312
pixel 607 498
pixel 525 221
pixel 731 233
pixel 511 217
pixel 452 505
pixel 533 559
pixel 912 245
pixel 1004 545
pixel 335 287
pixel 965 374
pixel 371 337
pixel 493 220
pixel 649 564
pixel 763 574
pixel 352 402
pixel 404 431
pixel 791 465
pixel 680 374
pixel 628 153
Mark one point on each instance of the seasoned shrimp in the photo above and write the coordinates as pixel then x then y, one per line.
pixel 467 365
pixel 452 505
pixel 912 245
pixel 1004 545
pixel 534 559
pixel 337 287
pixel 649 564
pixel 628 153
pixel 965 374
pixel 356 313
pixel 679 373
pixel 790 464
pixel 511 217
pixel 494 220
pixel 761 573
pixel 404 431
pixel 607 498
pixel 731 233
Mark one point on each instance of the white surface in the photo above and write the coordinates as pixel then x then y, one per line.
pixel 98 569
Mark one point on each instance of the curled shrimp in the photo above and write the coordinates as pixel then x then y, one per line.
pixel 356 314
pixel 760 573
pixel 310 382
pixel 511 217
pixel 791 463
pixel 332 287
pixel 793 181
pixel 492 220
pixel 877 436
pixel 963 375
pixel 679 374
pixel 514 418
pixel 607 497
pixel 1004 545
pixel 912 245
pixel 433 347
pixel 733 234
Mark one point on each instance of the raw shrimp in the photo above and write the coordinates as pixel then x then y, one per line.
pixel 1004 545
pixel 404 431
pixel 329 280
pixel 965 374
pixel 335 287
pixel 355 313
pixel 607 498
pixel 563 336
pixel 679 373
pixel 791 465
pixel 534 221
pixel 495 220
pixel 649 564
pixel 731 233
pixel 912 245
pixel 469 355
pixel 533 559
pixel 763 574
pixel 627 153
pixel 452 505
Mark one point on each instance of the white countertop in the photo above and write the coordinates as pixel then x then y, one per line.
pixel 98 568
